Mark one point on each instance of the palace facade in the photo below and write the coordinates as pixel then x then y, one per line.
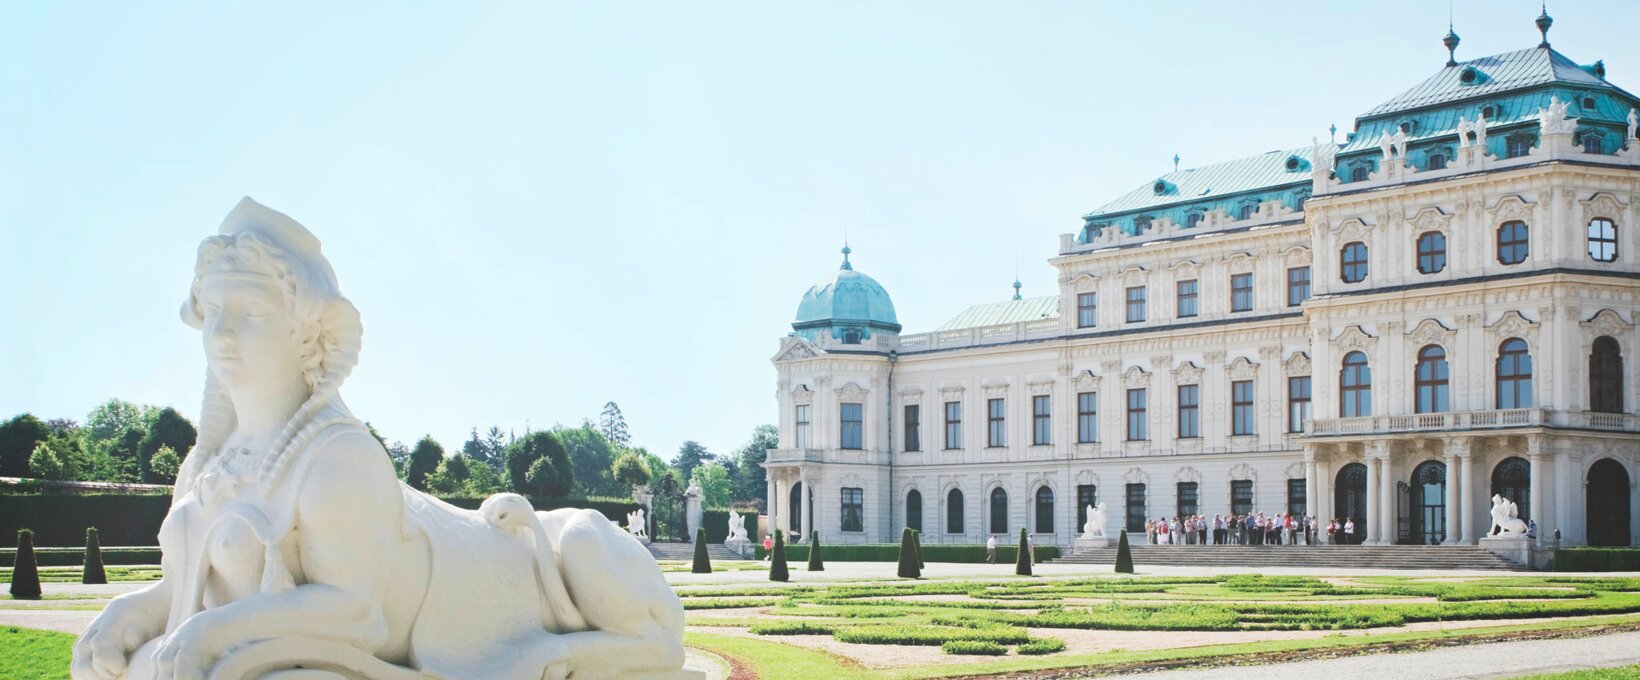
pixel 1393 329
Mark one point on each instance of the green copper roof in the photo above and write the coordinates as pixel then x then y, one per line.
pixel 1011 311
pixel 1492 75
pixel 847 299
pixel 1203 184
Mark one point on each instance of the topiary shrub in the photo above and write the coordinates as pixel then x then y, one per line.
pixel 1022 564
pixel 1124 555
pixel 909 565
pixel 93 572
pixel 979 647
pixel 916 543
pixel 777 562
pixel 25 574
pixel 703 562
pixel 815 561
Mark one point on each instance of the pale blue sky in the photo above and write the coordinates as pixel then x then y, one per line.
pixel 540 207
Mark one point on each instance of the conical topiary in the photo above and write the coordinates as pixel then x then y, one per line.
pixel 816 562
pixel 25 574
pixel 1124 556
pixel 916 543
pixel 909 567
pixel 703 562
pixel 1022 563
pixel 93 572
pixel 777 559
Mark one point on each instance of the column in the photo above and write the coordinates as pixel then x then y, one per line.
pixel 1565 486
pixel 1323 496
pixel 1469 491
pixel 1370 522
pixel 1537 507
pixel 1454 490
pixel 772 502
pixel 1386 497
pixel 1311 503
pixel 806 504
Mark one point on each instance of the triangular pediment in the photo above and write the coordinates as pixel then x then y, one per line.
pixel 796 348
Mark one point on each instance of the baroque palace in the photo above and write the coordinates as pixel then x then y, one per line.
pixel 1392 329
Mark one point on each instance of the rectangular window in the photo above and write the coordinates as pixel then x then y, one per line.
pixel 1041 420
pixel 850 421
pixel 854 509
pixel 1087 310
pixel 1136 304
pixel 1241 407
pixel 1241 496
pixel 953 425
pixel 996 423
pixel 1298 403
pixel 1138 425
pixel 913 427
pixel 803 439
pixel 1135 508
pixel 1190 424
pixel 1087 417
pixel 1189 499
pixel 1296 500
pixel 1086 495
pixel 1298 286
pixel 1241 292
pixel 1187 298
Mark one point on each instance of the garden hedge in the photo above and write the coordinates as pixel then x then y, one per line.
pixel 74 557
pixel 1597 559
pixel 717 525
pixel 60 520
pixel 890 552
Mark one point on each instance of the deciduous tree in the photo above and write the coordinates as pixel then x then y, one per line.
pixel 424 461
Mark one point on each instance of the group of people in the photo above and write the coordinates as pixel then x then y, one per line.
pixel 1251 529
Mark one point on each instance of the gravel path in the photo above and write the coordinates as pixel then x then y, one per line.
pixel 1493 660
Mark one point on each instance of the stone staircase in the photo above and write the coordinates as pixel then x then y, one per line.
pixel 1440 557
pixel 686 551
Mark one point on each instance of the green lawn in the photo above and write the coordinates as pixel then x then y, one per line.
pixel 27 654
pixel 1621 673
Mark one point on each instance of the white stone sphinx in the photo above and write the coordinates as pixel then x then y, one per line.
pixel 1506 522
pixel 637 524
pixel 292 551
pixel 1093 532
pixel 737 527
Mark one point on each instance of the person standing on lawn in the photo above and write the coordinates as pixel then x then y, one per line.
pixel 991 550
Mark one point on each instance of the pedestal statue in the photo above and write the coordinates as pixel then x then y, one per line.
pixel 292 551
pixel 1093 532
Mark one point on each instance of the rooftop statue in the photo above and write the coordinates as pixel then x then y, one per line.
pixel 1634 122
pixel 1465 128
pixel 1401 144
pixel 1480 132
pixel 291 544
pixel 1552 120
pixel 1323 157
pixel 1387 144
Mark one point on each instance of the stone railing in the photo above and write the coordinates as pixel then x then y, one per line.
pixel 794 455
pixel 1038 329
pixel 1472 420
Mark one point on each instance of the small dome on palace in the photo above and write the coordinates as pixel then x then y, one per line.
pixel 852 305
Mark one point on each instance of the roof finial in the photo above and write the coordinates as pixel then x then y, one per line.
pixel 1451 39
pixel 846 251
pixel 1175 162
pixel 1332 133
pixel 1016 289
pixel 1544 21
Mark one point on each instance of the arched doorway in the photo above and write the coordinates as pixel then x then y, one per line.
pixel 999 511
pixel 1512 479
pixel 1350 500
pixel 913 510
pixel 1608 503
pixel 1428 497
pixel 795 501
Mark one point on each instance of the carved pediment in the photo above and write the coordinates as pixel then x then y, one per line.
pixel 1239 262
pixel 1087 381
pixel 1187 373
pixel 995 389
pixel 1606 322
pixel 1085 283
pixel 1135 378
pixel 1514 325
pixel 911 395
pixel 1602 205
pixel 1244 471
pixel 1352 229
pixel 802 395
pixel 1086 476
pixel 1430 219
pixel 796 348
pixel 1242 368
pixel 1353 339
pixel 1040 386
pixel 951 391
pixel 1298 364
pixel 1296 256
pixel 1184 270
pixel 1136 476
pixel 852 392
pixel 1187 475
pixel 1431 332
pixel 1511 207
pixel 1134 276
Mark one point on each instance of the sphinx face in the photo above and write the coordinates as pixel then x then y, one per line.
pixel 249 334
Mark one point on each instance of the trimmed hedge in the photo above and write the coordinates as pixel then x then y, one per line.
pixel 1597 559
pixel 74 557
pixel 890 552
pixel 977 647
pixel 60 520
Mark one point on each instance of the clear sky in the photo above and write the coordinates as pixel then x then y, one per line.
pixel 540 207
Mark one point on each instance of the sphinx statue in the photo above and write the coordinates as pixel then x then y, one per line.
pixel 1506 520
pixel 1095 526
pixel 291 550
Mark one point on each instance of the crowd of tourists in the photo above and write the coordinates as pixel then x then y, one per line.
pixel 1251 529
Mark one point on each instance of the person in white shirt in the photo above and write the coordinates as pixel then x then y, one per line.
pixel 1349 531
pixel 991 550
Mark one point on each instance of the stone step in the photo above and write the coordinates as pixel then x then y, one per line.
pixel 686 551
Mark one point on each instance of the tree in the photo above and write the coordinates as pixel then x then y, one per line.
pixel 93 571
pixel 612 425
pixel 164 466
pixel 908 566
pixel 777 559
pixel 495 447
pixel 629 469
pixel 1124 555
pixel 424 461
pixel 703 562
pixel 482 480
pixel 816 562
pixel 714 485
pixel 751 482
pixel 548 471
pixel 690 455
pixel 591 456
pixel 450 478
pixel 478 448
pixel 18 439
pixel 112 418
pixel 1022 564
pixel 400 455
pixel 170 429
pixel 520 454
pixel 25 573
pixel 44 463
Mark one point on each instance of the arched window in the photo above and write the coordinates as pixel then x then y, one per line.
pixel 1141 224
pixel 1359 173
pixel 1428 496
pixel 1602 240
pixel 999 511
pixel 1044 510
pixel 1193 219
pixel 1591 144
pixel 1431 252
pixel 1247 210
pixel 1431 380
pixel 1517 146
pixel 953 512
pixel 913 510
pixel 1606 376
pixel 851 336
pixel 1355 386
pixel 1353 262
pixel 1513 242
pixel 1514 374
pixel 1512 479
pixel 1436 161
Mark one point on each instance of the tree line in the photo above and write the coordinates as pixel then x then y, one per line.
pixel 119 442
